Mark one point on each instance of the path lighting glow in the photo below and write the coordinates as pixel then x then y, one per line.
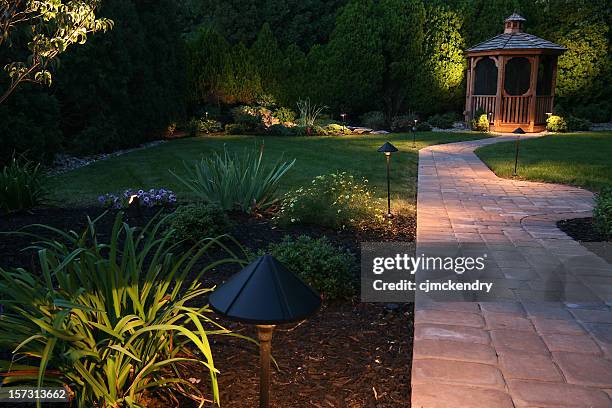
pixel 343 116
pixel 387 149
pixel 518 132
pixel 265 293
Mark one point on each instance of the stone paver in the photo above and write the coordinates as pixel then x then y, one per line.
pixel 543 337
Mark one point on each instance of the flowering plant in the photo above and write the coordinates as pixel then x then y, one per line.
pixel 337 200
pixel 150 198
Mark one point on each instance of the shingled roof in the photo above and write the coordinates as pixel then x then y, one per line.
pixel 517 40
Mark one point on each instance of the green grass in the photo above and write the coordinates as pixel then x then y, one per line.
pixel 315 155
pixel 579 159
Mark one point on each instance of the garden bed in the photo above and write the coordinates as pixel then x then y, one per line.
pixel 350 354
pixel 583 230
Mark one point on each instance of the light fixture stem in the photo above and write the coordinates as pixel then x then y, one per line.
pixel 264 332
pixel 388 187
pixel 516 155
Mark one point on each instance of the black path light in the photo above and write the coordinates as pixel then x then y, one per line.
pixel 387 149
pixel 414 129
pixel 265 293
pixel 518 132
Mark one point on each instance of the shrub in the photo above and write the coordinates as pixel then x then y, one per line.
pixel 235 129
pixel 149 198
pixel 574 123
pixel 480 123
pixel 194 222
pixel 443 121
pixel 247 116
pixel 602 214
pixel 282 130
pixel 328 269
pixel 374 120
pixel 284 115
pixel 336 200
pixel 335 129
pixel 403 123
pixel 203 125
pixel 423 127
pixel 235 181
pixel 22 186
pixel 595 112
pixel 111 319
pixel 556 124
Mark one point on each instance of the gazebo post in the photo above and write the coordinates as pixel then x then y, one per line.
pixel 553 84
pixel 533 87
pixel 500 61
pixel 468 114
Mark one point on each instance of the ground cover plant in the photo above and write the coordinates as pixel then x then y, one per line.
pixel 111 319
pixel 192 222
pixel 580 159
pixel 602 214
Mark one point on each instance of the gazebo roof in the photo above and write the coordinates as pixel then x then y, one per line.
pixel 516 40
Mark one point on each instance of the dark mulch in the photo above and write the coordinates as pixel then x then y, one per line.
pixel 581 229
pixel 584 231
pixel 350 354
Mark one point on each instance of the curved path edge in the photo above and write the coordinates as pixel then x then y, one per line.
pixel 519 349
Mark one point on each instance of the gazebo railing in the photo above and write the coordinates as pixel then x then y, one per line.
pixel 544 105
pixel 484 102
pixel 515 109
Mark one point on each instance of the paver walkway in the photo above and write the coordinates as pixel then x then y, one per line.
pixel 519 350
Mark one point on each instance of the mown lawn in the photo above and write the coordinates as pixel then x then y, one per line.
pixel 314 156
pixel 580 159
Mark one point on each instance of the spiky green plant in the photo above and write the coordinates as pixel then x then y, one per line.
pixel 236 180
pixel 110 320
pixel 309 112
pixel 22 186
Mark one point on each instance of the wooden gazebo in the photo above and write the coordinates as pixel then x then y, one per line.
pixel 511 77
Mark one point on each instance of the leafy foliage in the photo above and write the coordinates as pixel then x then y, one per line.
pixel 236 181
pixel 602 214
pixel 575 123
pixel 22 186
pixel 337 200
pixel 443 121
pixel 309 112
pixel 374 120
pixel 193 222
pixel 556 123
pixel 51 27
pixel 480 123
pixel 328 269
pixel 111 320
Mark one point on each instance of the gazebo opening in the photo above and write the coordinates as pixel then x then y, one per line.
pixel 511 78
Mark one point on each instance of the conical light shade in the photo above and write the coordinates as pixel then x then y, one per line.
pixel 519 131
pixel 265 292
pixel 387 148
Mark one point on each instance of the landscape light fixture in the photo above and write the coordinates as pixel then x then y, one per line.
pixel 134 205
pixel 265 293
pixel 206 115
pixel 343 116
pixel 414 129
pixel 387 149
pixel 518 132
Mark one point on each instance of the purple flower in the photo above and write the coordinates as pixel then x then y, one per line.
pixel 140 192
pixel 101 199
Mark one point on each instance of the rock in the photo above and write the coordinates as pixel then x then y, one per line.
pixel 361 130
pixel 379 132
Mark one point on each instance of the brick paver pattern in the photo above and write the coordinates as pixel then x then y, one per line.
pixel 521 350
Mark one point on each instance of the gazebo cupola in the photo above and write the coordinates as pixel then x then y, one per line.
pixel 511 78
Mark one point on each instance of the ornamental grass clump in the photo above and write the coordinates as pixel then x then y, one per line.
pixel 22 186
pixel 337 200
pixel 236 181
pixel 114 321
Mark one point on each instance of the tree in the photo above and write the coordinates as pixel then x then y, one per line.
pixel 50 27
pixel 355 57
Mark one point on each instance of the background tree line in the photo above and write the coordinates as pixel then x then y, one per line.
pixel 166 60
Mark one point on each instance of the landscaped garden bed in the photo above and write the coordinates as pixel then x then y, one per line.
pixel 337 358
